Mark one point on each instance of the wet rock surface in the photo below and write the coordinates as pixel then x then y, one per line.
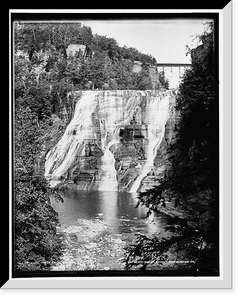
pixel 89 246
pixel 131 123
pixel 93 245
pixel 97 226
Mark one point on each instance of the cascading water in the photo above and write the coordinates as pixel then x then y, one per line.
pixel 115 126
pixel 159 114
pixel 108 171
pixel 61 157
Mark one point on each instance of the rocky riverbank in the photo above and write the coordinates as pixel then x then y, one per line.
pixel 92 246
pixel 89 246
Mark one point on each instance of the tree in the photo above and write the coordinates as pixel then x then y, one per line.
pixel 43 77
pixel 123 74
pixel 191 178
pixel 142 80
pixel 100 69
pixel 163 80
pixel 36 244
pixel 197 136
pixel 105 64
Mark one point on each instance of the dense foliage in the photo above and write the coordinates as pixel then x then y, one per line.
pixel 163 80
pixel 45 71
pixel 191 178
pixel 43 76
pixel 36 243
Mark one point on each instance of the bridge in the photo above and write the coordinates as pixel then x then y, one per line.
pixel 173 72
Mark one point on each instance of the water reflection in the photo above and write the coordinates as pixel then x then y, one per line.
pixel 117 209
pixel 108 207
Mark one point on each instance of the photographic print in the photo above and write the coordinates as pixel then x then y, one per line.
pixel 115 145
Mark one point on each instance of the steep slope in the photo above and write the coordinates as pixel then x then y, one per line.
pixel 113 139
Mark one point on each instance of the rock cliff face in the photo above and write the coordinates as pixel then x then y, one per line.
pixel 115 139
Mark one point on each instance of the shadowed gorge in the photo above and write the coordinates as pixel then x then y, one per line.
pixel 116 167
pixel 112 140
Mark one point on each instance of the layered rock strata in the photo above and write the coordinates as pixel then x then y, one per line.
pixel 114 139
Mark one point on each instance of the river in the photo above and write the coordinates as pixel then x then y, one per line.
pixel 97 225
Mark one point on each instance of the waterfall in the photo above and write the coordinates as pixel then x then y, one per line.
pixel 98 118
pixel 158 113
pixel 108 171
pixel 62 156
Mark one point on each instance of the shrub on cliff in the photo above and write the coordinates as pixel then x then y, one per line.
pixel 36 243
pixel 105 65
pixel 197 136
pixel 192 176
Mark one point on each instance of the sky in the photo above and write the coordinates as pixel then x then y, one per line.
pixel 165 40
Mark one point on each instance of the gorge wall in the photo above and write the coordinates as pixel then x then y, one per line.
pixel 115 139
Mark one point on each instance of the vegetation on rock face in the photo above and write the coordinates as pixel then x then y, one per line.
pixel 36 244
pixel 191 179
pixel 42 63
pixel 163 80
pixel 43 76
